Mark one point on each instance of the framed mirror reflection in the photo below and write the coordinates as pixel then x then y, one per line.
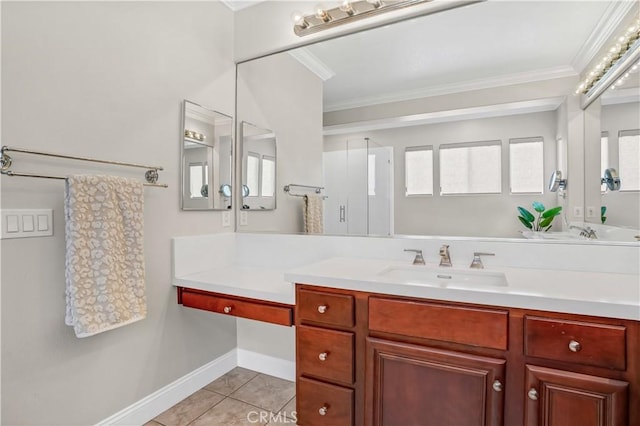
pixel 206 152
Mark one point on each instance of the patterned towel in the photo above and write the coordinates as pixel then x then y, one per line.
pixel 312 212
pixel 105 259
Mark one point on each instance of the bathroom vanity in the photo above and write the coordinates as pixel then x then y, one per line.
pixel 376 359
pixel 381 342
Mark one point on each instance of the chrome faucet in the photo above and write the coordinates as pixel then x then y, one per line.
pixel 477 262
pixel 418 260
pixel 445 259
pixel 585 232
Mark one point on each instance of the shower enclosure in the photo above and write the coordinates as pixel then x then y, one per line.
pixel 358 183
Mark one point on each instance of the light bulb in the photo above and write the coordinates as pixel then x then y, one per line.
pixel 298 19
pixel 321 13
pixel 347 7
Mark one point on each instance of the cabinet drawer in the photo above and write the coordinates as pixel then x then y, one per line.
pixel 239 307
pixel 326 354
pixel 585 343
pixel 465 325
pixel 325 308
pixel 323 404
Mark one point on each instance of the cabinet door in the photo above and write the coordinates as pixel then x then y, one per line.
pixel 415 385
pixel 563 398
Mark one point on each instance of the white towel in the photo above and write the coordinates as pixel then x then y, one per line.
pixel 105 259
pixel 312 212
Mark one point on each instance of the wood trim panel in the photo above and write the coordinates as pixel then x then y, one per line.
pixel 466 325
pixel 254 309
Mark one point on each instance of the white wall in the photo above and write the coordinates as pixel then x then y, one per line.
pixel 103 79
pixel 280 94
pixel 474 215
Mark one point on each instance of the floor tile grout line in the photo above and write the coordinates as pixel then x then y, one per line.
pixel 207 410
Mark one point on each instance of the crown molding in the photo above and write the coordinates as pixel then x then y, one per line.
pixel 611 19
pixel 465 86
pixel 487 111
pixel 313 63
pixel 236 5
pixel 620 96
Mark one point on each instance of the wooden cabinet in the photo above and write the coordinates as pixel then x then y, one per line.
pixel 404 361
pixel 562 398
pixel 260 310
pixel 421 386
pixel 325 359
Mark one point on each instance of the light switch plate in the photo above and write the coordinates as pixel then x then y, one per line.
pixel 26 223
pixel 244 218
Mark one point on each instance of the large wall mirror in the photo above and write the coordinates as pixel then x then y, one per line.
pixel 438 125
pixel 206 148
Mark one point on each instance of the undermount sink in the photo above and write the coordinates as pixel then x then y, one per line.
pixel 442 277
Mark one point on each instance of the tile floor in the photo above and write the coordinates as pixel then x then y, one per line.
pixel 240 397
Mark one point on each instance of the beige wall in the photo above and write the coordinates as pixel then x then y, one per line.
pixel 103 79
pixel 280 94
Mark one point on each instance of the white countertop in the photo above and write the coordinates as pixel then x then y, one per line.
pixel 589 293
pixel 244 281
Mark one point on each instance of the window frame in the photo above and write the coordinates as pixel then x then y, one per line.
pixel 474 144
pixel 428 148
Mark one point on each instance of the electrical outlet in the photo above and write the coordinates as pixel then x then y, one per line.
pixel 244 218
pixel 577 211
pixel 226 219
pixel 591 211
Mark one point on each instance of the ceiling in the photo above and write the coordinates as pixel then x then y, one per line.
pixel 481 45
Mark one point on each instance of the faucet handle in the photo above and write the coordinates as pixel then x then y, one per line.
pixel 419 259
pixel 477 262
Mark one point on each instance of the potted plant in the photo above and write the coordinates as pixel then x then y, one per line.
pixel 544 219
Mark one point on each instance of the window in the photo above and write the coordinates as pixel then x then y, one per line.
pixel 371 175
pixel 629 160
pixel 253 173
pixel 471 168
pixel 418 170
pixel 604 157
pixel 268 186
pixel 526 166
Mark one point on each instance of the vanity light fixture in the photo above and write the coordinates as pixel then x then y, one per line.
pixel 194 135
pixel 348 11
pixel 627 42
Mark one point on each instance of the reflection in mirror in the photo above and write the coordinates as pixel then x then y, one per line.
pixel 258 167
pixel 618 160
pixel 469 127
pixel 206 148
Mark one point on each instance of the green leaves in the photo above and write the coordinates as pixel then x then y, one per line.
pixel 603 210
pixel 544 219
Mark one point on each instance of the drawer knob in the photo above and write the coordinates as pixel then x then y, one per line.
pixel 323 356
pixel 574 346
pixel 322 309
pixel 227 309
pixel 532 394
pixel 323 410
pixel 497 386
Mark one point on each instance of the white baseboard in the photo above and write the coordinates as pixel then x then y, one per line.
pixel 267 364
pixel 152 405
